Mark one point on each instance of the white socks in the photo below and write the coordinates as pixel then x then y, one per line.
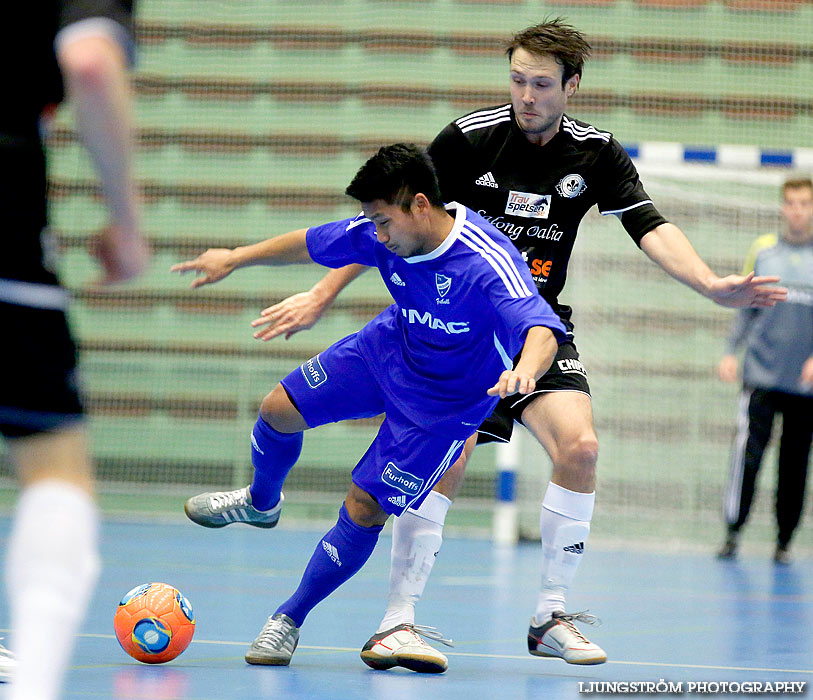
pixel 51 569
pixel 422 531
pixel 564 524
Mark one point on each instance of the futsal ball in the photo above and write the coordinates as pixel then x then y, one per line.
pixel 154 623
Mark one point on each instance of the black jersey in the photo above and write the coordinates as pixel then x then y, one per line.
pixel 538 195
pixel 32 87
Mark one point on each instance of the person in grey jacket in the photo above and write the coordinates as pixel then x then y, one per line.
pixel 777 374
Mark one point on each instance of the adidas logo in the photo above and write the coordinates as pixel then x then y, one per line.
pixel 399 501
pixel 577 548
pixel 395 279
pixel 486 180
pixel 332 552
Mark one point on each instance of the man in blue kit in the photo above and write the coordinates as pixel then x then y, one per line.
pixel 435 363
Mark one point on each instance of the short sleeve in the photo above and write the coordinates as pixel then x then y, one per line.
pixel 623 194
pixel 518 305
pixel 344 242
pixel 520 315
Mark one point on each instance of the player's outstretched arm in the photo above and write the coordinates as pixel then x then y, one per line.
pixel 537 354
pixel 301 311
pixel 668 247
pixel 95 71
pixel 217 263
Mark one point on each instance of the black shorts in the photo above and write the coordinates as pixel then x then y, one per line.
pixel 566 373
pixel 38 382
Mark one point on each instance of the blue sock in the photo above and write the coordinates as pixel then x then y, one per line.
pixel 340 554
pixel 272 454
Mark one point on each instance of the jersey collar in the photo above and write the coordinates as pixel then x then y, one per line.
pixel 459 220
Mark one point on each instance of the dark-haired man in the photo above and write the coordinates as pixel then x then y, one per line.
pixel 433 363
pixel 534 172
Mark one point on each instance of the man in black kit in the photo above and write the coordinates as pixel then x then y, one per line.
pixel 533 172
pixel 78 48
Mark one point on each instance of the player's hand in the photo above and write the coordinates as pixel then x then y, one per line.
pixel 727 369
pixel 213 266
pixel 513 382
pixel 122 254
pixel 738 291
pixel 296 313
pixel 806 377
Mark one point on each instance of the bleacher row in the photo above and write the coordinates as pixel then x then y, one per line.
pixel 467 98
pixel 671 5
pixel 306 38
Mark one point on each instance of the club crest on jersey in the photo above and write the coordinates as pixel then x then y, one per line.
pixel 571 185
pixel 403 481
pixel 443 284
pixel 528 205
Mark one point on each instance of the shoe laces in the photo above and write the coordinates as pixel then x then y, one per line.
pixel 274 633
pixel 432 633
pixel 567 619
pixel 229 499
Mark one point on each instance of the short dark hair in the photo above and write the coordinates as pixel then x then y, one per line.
pixel 554 38
pixel 396 174
pixel 797 183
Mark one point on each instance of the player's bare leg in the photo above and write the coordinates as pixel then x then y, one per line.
pixel 562 422
pixel 52 561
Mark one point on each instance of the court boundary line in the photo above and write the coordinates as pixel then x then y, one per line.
pixel 705 667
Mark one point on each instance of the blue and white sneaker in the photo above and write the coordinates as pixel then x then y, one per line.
pixel 221 508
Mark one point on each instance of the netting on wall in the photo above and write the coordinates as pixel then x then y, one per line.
pixel 665 421
pixel 252 117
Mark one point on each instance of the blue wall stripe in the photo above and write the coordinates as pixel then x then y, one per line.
pixel 703 155
pixel 776 158
pixel 506 485
pixel 711 155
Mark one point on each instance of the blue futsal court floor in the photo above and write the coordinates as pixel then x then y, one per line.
pixel 677 617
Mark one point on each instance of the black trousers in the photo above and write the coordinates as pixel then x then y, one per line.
pixel 755 419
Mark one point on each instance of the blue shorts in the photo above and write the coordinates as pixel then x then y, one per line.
pixel 405 460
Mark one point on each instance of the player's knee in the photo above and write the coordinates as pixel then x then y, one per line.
pixel 580 455
pixel 277 410
pixel 363 509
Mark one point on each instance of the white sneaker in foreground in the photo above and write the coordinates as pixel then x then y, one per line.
pixel 8 664
pixel 403 646
pixel 561 639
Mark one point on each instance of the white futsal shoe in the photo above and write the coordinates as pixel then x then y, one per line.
pixel 8 664
pixel 561 639
pixel 403 646
pixel 222 508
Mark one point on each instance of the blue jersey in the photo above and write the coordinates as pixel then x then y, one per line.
pixel 461 314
